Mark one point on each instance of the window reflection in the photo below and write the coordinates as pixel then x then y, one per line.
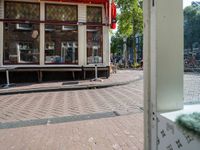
pixel 94 45
pixel 61 44
pixel 21 43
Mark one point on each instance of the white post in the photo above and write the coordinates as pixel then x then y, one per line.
pixel 82 35
pixel 1 31
pixel 147 75
pixel 82 45
pixel 7 79
pixel 163 62
pixel 42 34
pixel 106 46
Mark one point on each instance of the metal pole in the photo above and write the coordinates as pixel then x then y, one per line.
pixel 96 72
pixel 7 78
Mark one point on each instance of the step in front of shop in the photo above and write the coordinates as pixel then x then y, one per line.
pixel 45 74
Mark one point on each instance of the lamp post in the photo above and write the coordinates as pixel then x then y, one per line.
pixel 125 52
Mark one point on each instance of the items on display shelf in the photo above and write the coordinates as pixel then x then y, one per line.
pixel 66 55
pixel 26 53
pixel 24 26
pixel 95 58
pixel 68 52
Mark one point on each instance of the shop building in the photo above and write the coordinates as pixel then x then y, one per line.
pixel 39 36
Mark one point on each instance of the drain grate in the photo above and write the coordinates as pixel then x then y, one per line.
pixel 70 82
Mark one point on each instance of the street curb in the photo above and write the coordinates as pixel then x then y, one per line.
pixel 69 88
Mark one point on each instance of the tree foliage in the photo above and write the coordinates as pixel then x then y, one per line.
pixel 130 20
pixel 191 26
pixel 116 44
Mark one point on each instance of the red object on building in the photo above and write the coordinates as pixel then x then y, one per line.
pixel 113 15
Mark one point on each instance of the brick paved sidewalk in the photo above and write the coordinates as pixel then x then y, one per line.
pixel 122 99
pixel 118 133
pixel 192 88
pixel 122 77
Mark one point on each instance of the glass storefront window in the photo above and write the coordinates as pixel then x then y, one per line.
pixel 22 10
pixel 61 44
pixel 61 12
pixel 21 40
pixel 61 41
pixel 94 45
pixel 21 43
pixel 94 14
pixel 94 36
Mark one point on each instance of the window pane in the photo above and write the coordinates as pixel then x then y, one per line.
pixel 19 10
pixel 94 45
pixel 94 14
pixel 61 12
pixel 21 43
pixel 61 45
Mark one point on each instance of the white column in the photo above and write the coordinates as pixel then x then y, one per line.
pixel 147 80
pixel 82 35
pixel 42 33
pixel 82 45
pixel 106 46
pixel 1 31
pixel 163 62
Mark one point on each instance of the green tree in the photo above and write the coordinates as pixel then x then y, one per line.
pixel 191 26
pixel 130 20
pixel 116 44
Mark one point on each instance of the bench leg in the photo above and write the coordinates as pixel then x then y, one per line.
pixel 7 78
pixel 39 76
pixel 84 74
pixel 73 75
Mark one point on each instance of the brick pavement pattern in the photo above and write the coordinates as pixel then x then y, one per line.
pixel 118 133
pixel 122 99
pixel 192 88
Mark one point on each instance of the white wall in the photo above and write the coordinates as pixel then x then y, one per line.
pixel 163 63
pixel 169 55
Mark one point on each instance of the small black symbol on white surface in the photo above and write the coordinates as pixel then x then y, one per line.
pixel 163 133
pixel 170 147
pixel 179 144
pixel 170 127
pixel 189 139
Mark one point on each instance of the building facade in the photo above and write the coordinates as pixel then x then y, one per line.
pixel 53 33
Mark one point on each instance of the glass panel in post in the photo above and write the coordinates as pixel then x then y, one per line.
pixel 21 40
pixel 61 44
pixel 94 45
